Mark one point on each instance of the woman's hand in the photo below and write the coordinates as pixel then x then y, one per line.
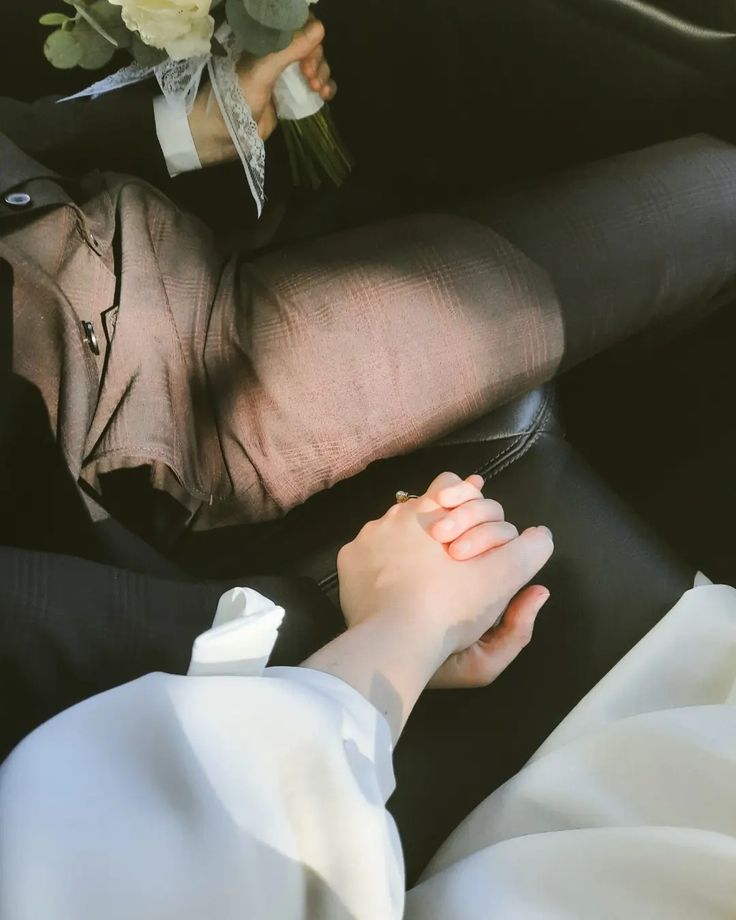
pixel 411 606
pixel 258 77
pixel 460 582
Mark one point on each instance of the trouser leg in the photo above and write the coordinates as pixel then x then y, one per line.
pixel 374 342
pixel 630 242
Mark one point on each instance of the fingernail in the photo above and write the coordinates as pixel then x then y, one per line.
pixel 546 530
pixel 543 598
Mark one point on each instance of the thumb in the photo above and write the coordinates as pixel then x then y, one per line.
pixel 501 645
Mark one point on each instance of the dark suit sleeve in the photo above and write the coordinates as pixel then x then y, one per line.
pixel 117 133
pixel 70 628
pixel 114 132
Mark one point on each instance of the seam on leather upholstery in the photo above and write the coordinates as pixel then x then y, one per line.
pixel 489 470
pixel 534 426
pixel 674 22
pixel 502 436
pixel 518 438
pixel 521 445
pixel 329 582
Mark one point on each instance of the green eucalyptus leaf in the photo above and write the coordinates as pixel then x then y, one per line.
pixel 250 35
pixel 96 50
pixel 53 19
pixel 62 50
pixel 282 15
pixel 144 54
pixel 110 18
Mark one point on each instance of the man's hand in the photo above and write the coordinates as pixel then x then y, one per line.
pixel 257 79
pixel 472 526
pixel 448 561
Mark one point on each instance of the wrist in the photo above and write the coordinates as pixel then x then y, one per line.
pixel 387 658
pixel 413 629
pixel 428 629
pixel 209 131
pixel 411 637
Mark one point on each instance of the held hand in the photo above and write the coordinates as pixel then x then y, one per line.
pixel 472 526
pixel 394 567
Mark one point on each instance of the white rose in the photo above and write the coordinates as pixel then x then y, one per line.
pixel 181 28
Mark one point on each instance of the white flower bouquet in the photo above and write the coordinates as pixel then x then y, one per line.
pixel 178 40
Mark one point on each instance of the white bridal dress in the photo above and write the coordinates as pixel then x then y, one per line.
pixel 260 795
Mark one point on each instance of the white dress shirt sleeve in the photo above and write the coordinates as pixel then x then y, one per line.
pixel 175 137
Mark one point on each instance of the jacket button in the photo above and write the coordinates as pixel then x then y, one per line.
pixel 90 338
pixel 18 200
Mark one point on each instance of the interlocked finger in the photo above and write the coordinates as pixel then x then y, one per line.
pixel 482 539
pixel 449 490
pixel 466 516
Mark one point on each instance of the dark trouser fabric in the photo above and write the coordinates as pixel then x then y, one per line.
pixel 70 628
pixel 376 341
pixel 632 241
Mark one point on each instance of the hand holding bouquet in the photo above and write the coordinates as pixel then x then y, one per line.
pixel 177 40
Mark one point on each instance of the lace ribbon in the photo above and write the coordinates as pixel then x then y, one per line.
pixel 127 76
pixel 179 80
pixel 238 117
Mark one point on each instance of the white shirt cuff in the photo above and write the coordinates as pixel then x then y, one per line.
pixel 241 638
pixel 175 137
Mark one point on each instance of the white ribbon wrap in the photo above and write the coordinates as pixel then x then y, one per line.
pixel 180 80
pixel 293 98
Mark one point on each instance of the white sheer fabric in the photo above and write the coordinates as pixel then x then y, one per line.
pixel 629 808
pixel 264 796
pixel 183 798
